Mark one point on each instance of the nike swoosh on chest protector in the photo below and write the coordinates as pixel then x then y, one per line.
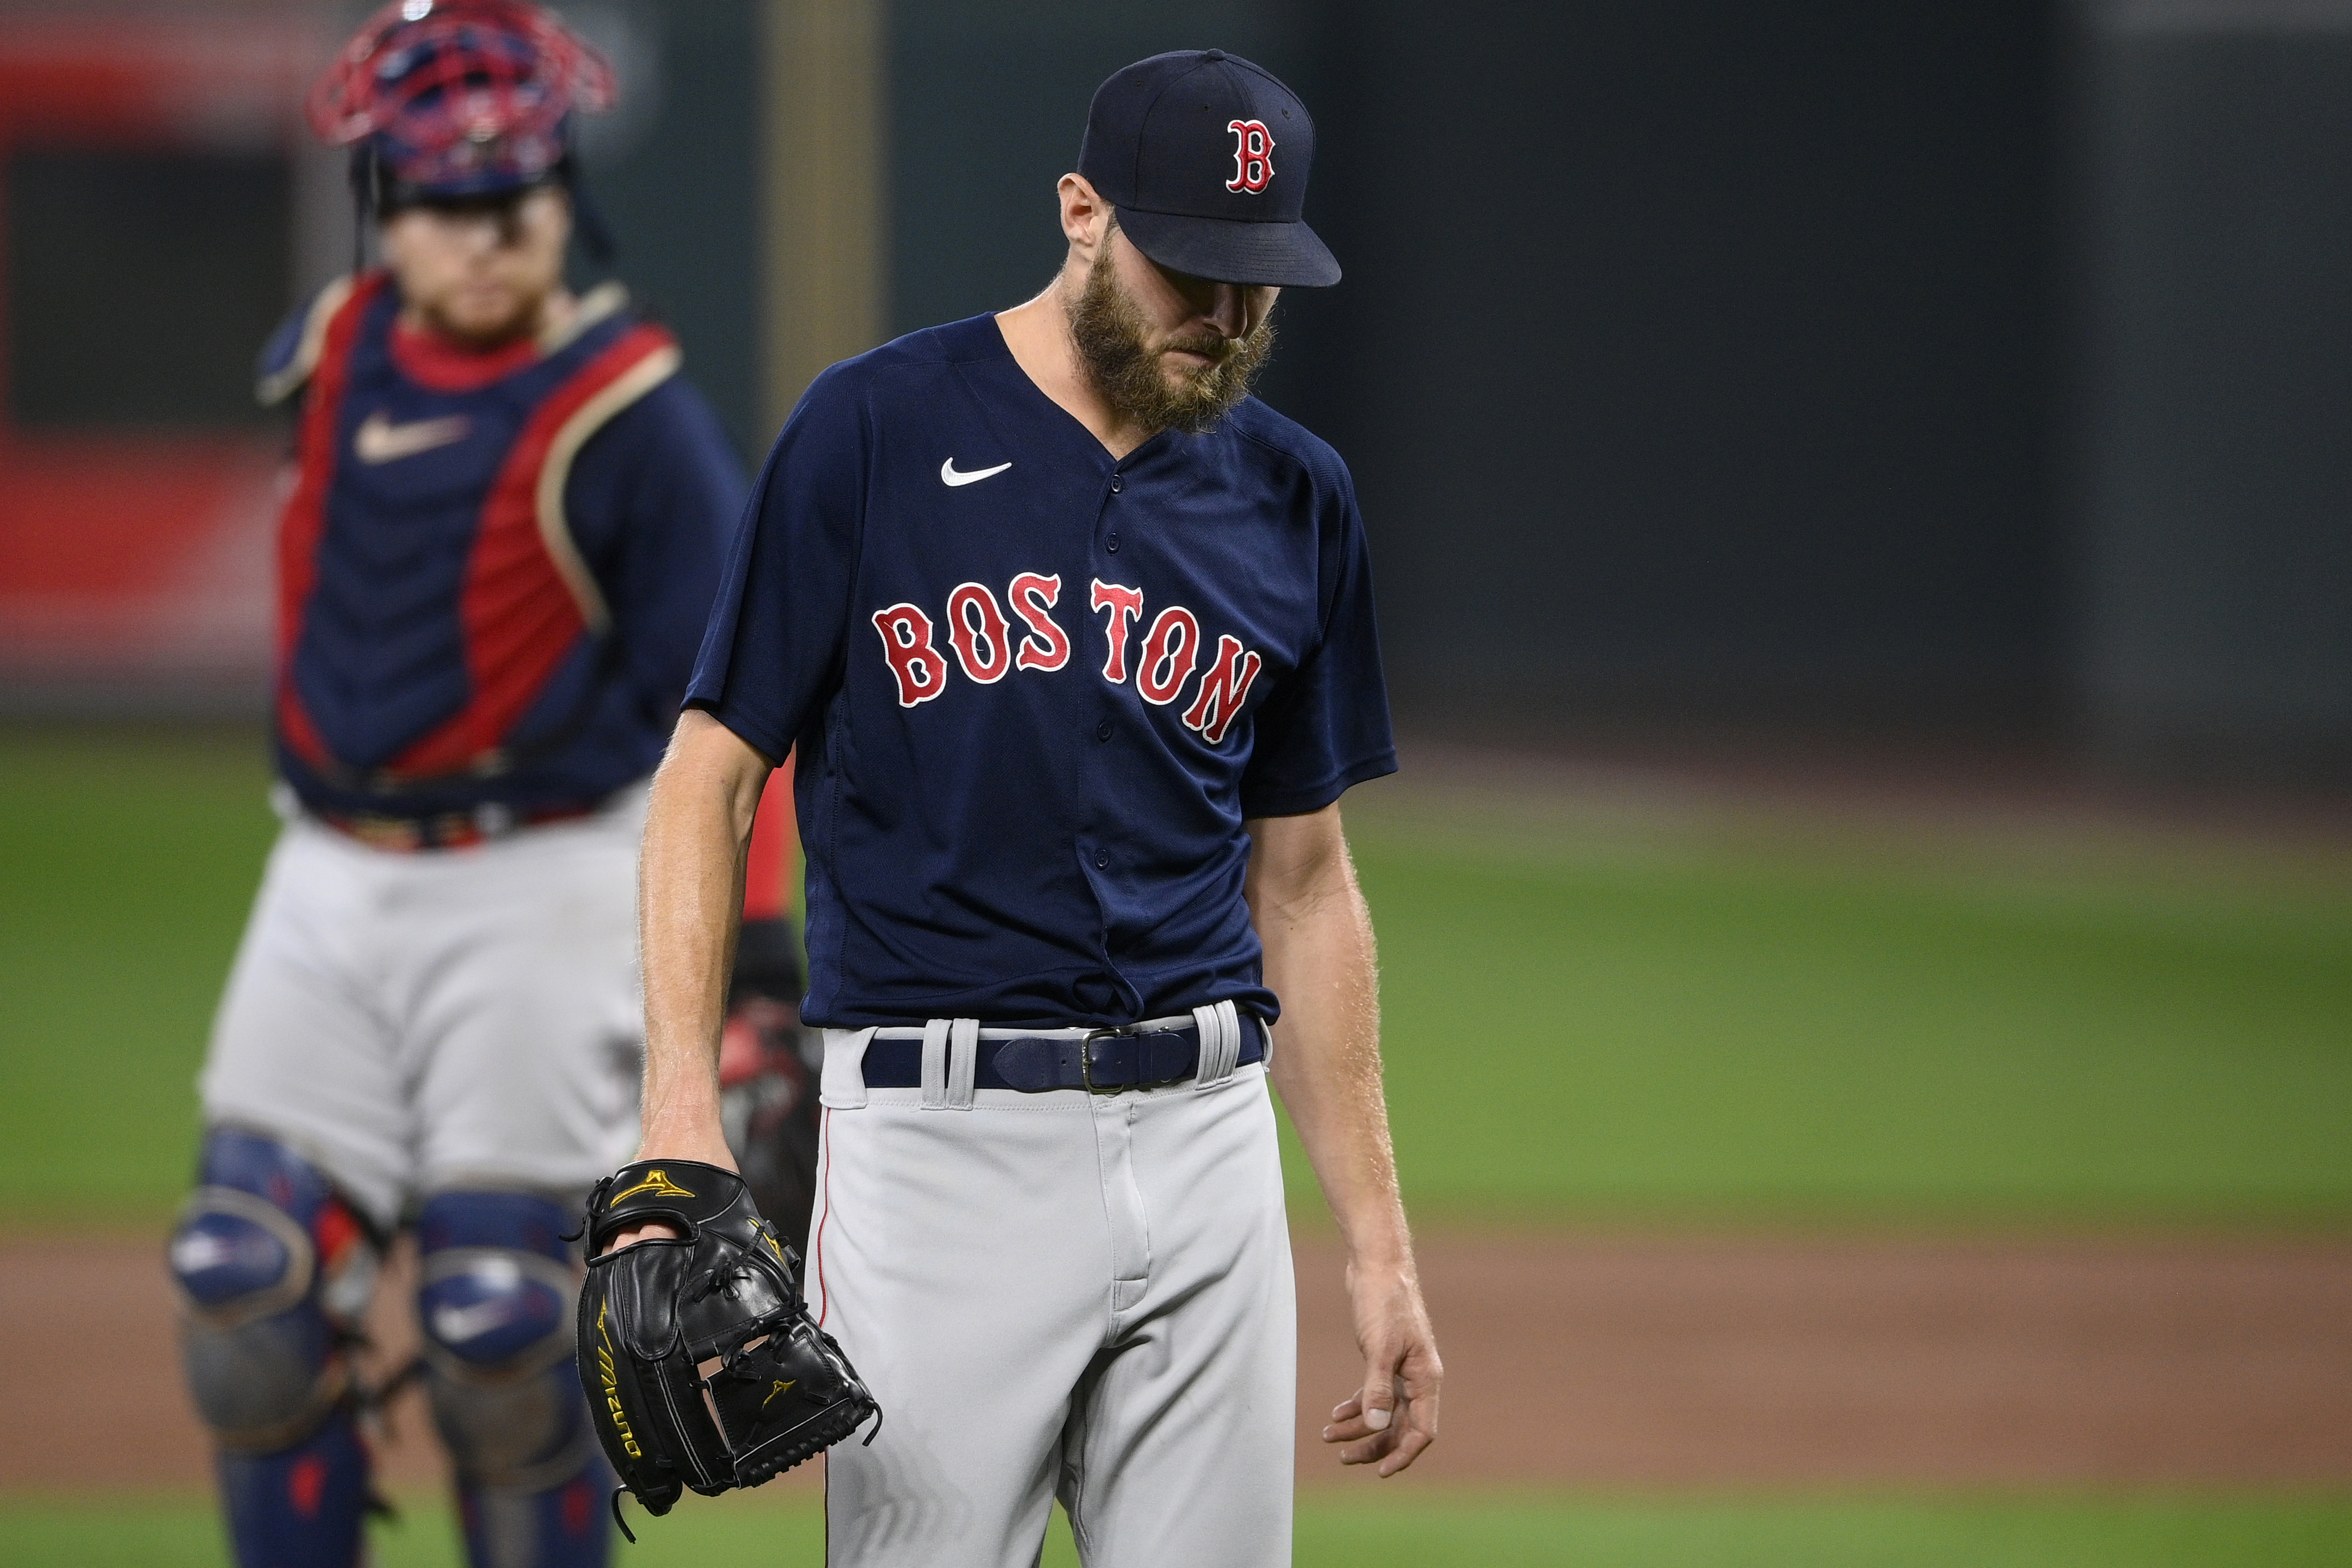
pixel 948 476
pixel 381 441
pixel 455 1325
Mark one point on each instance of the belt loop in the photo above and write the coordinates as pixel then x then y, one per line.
pixel 935 1063
pixel 1220 1043
pixel 963 1060
pixel 844 1084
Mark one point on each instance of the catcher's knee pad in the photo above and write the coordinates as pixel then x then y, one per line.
pixel 274 1269
pixel 495 1305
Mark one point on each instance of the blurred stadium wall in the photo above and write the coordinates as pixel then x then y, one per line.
pixel 147 235
pixel 1961 371
pixel 2215 423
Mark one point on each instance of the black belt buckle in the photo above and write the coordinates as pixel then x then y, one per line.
pixel 1087 1059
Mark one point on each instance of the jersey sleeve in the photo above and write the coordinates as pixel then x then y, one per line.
pixel 1326 729
pixel 651 500
pixel 775 649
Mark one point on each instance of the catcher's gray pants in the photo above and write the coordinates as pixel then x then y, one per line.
pixel 414 1023
pixel 1088 1295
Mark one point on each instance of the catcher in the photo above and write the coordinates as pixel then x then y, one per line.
pixel 497 558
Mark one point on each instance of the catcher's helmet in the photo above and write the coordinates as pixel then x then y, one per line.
pixel 451 99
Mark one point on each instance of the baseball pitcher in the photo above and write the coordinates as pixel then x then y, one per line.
pixel 1072 641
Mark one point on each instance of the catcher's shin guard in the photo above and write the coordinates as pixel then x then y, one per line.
pixel 558 1528
pixel 496 1307
pixel 275 1270
pixel 301 1507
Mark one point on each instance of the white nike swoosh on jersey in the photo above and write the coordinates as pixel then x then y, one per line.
pixel 948 475
pixel 381 441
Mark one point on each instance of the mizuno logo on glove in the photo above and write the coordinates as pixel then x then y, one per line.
pixel 656 1182
pixel 612 1388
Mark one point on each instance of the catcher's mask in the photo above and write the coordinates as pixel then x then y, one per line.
pixel 461 101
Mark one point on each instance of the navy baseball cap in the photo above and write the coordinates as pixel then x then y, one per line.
pixel 1205 156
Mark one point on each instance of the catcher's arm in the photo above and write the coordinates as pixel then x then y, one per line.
pixel 689 898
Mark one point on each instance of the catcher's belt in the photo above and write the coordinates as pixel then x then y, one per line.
pixel 446 830
pixel 653 1314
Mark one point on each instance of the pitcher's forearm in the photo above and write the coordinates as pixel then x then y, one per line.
pixel 1328 1070
pixel 690 905
pixel 1320 960
pixel 1347 1140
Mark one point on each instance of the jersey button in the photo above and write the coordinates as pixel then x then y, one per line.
pixel 1115 483
pixel 1102 860
pixel 1111 544
pixel 1102 731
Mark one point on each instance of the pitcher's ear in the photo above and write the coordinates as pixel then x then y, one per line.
pixel 1086 218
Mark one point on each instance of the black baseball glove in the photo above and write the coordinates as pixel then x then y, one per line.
pixel 654 1312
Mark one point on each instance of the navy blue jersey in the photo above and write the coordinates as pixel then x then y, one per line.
pixel 493 570
pixel 1035 691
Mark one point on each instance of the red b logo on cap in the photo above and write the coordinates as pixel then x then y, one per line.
pixel 1253 156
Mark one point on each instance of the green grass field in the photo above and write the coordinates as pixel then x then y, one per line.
pixel 126 865
pixel 1449 1531
pixel 1590 1015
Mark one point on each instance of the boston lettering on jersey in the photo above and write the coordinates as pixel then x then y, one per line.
pixel 443 640
pixel 1035 691
pixel 980 638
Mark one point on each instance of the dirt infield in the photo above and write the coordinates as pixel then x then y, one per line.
pixel 1592 1360
pixel 1735 1360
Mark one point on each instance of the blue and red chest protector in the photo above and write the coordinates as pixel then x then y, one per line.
pixel 493 568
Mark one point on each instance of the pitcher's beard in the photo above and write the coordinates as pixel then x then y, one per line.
pixel 1114 340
